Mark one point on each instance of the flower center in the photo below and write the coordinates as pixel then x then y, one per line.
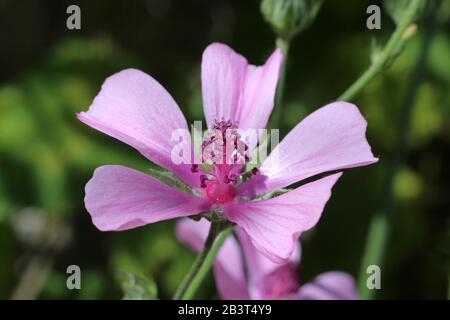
pixel 282 283
pixel 220 192
pixel 224 154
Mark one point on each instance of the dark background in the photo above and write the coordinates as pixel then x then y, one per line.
pixel 48 73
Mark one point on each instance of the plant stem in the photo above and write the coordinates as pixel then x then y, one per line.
pixel 379 227
pixel 206 266
pixel 203 261
pixel 374 251
pixel 283 45
pixel 388 52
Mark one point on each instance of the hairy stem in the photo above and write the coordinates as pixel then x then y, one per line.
pixel 387 53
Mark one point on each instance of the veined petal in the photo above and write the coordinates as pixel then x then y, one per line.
pixel 274 225
pixel 228 265
pixel 259 266
pixel 259 92
pixel 119 198
pixel 135 109
pixel 234 90
pixel 333 285
pixel 331 138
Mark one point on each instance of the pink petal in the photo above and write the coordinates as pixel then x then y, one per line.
pixel 333 285
pixel 119 198
pixel 274 225
pixel 259 92
pixel 135 109
pixel 228 266
pixel 234 90
pixel 258 266
pixel 331 138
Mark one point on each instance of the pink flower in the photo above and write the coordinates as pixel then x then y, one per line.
pixel 135 109
pixel 263 279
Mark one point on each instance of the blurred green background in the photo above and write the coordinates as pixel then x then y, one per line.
pixel 48 73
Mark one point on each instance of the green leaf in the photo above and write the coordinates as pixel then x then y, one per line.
pixel 136 287
pixel 397 9
pixel 274 194
pixel 169 178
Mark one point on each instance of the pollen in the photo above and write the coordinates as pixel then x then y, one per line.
pixel 224 154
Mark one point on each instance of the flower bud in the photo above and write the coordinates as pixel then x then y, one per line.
pixel 288 17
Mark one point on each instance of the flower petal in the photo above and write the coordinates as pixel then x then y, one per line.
pixel 119 198
pixel 228 266
pixel 234 90
pixel 333 285
pixel 258 266
pixel 331 138
pixel 135 109
pixel 274 225
pixel 259 92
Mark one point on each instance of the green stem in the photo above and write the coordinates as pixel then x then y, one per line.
pixel 379 227
pixel 206 266
pixel 203 262
pixel 283 45
pixel 388 52
pixel 374 251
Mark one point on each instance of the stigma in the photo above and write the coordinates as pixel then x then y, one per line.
pixel 223 157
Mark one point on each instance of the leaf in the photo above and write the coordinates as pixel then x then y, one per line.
pixel 274 194
pixel 136 287
pixel 169 178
